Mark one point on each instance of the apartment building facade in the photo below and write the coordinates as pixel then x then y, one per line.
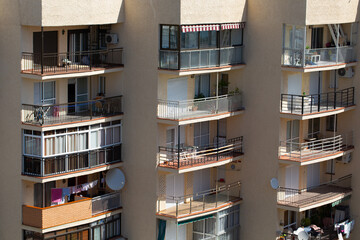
pixel 230 120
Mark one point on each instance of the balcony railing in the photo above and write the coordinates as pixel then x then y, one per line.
pixel 200 58
pixel 57 63
pixel 314 195
pixel 307 104
pixel 42 167
pixel 84 208
pixel 197 108
pixel 71 112
pixel 318 57
pixel 199 202
pixel 106 203
pixel 179 157
pixel 292 150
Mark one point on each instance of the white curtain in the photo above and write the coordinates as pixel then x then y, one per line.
pixel 71 143
pixel 49 146
pixel 60 146
pixel 117 134
pixel 83 140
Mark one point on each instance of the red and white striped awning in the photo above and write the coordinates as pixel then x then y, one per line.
pixel 200 28
pixel 227 26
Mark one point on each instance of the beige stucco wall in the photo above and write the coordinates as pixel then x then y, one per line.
pixel 71 12
pixel 331 11
pixel 212 11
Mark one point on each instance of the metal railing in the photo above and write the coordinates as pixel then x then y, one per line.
pixel 200 58
pixel 70 112
pixel 178 157
pixel 295 151
pixel 318 57
pixel 199 202
pixel 106 202
pixel 42 167
pixel 299 197
pixel 306 104
pixel 201 107
pixel 37 63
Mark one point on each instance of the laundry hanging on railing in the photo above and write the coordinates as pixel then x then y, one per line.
pixel 58 194
pixel 344 228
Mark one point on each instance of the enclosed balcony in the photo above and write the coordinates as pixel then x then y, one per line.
pixel 304 199
pixel 71 150
pixel 193 205
pixel 319 48
pixel 314 104
pixel 196 47
pixel 190 110
pixel 81 209
pixel 314 150
pixel 54 114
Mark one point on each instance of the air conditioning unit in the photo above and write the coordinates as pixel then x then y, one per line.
pixel 111 38
pixel 346 72
pixel 347 158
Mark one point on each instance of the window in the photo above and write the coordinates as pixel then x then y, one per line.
pixel 101 86
pixel 208 39
pixel 201 134
pixel 331 123
pixel 32 145
pixel 169 37
pixel 190 40
pixel 44 93
pixel 314 128
pixel 237 37
pixel 202 86
pixel 229 222
pixel 204 229
pixel 225 40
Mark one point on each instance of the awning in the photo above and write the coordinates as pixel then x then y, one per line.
pixel 195 219
pixel 211 27
pixel 227 26
pixel 200 28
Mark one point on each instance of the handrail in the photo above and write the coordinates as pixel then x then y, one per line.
pixel 296 151
pixel 207 192
pixel 177 157
pixel 306 104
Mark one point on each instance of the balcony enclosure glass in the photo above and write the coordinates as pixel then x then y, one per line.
pixel 70 149
pixel 200 46
pixel 316 46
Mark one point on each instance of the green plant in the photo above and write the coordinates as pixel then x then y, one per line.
pixel 307 47
pixel 236 91
pixel 305 222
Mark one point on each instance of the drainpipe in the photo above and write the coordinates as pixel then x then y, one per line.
pixel 42 50
pixel 178 146
pixel 217 92
pixel 217 140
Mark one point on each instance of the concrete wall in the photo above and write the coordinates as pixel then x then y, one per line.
pixel 212 11
pixel 71 12
pixel 10 139
pixel 331 11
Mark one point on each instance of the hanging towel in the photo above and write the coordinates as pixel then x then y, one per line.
pixel 93 184
pixel 66 192
pixel 84 187
pixel 56 194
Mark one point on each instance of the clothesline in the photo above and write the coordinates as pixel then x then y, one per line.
pixel 58 194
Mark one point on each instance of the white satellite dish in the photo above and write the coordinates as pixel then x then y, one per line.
pixel 303 235
pixel 115 179
pixel 274 183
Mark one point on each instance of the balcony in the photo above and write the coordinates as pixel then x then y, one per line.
pixel 317 58
pixel 71 112
pixel 201 108
pixel 50 166
pixel 304 199
pixel 310 48
pixel 319 150
pixel 204 202
pixel 185 158
pixel 310 106
pixel 71 62
pixel 201 58
pixel 80 210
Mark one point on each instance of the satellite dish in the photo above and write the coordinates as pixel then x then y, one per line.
pixel 303 235
pixel 274 183
pixel 115 179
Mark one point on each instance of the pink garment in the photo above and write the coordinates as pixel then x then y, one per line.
pixel 56 194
